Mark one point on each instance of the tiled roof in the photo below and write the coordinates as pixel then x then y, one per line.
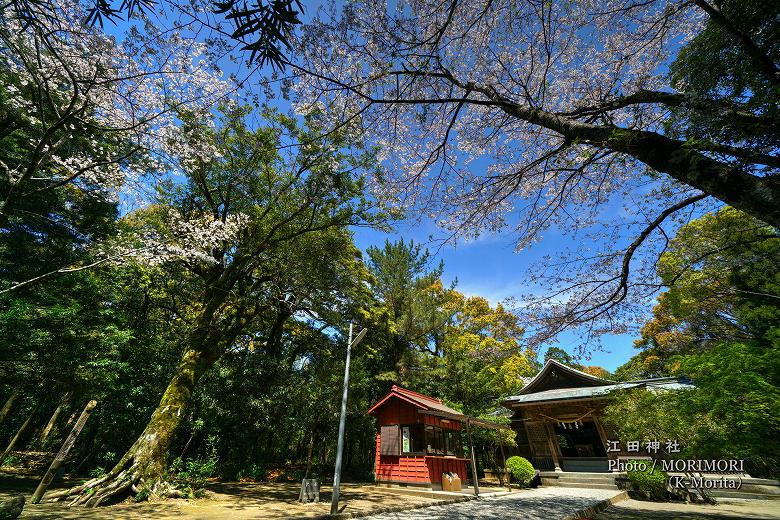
pixel 432 406
pixel 557 394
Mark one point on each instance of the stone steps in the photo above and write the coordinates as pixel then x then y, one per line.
pixel 580 480
pixel 586 481
pixel 751 488
pixel 587 485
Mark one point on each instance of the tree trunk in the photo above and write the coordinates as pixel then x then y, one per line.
pixel 19 433
pixel 7 406
pixel 308 454
pixel 755 195
pixel 144 464
pixel 59 459
pixel 54 416
pixel 322 457
pixel 273 345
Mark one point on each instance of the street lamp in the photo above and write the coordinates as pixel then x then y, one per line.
pixel 334 503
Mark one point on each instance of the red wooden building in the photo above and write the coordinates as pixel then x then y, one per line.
pixel 419 438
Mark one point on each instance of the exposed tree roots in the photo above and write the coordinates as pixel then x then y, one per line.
pixel 132 474
pixel 143 468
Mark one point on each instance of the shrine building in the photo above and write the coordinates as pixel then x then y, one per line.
pixel 420 438
pixel 557 417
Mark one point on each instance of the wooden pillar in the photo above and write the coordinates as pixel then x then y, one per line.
pixel 63 453
pixel 504 473
pixel 600 428
pixel 474 475
pixel 54 416
pixel 19 433
pixel 604 440
pixel 531 443
pixel 552 439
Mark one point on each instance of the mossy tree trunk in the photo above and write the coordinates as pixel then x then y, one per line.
pixel 144 465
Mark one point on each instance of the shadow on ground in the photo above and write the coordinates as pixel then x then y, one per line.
pixel 724 510
pixel 232 500
pixel 539 504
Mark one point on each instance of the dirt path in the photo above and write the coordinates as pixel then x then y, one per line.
pixel 224 501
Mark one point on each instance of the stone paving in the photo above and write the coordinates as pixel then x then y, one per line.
pixel 542 504
pixel 725 509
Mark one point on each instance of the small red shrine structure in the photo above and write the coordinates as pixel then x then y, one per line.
pixel 419 438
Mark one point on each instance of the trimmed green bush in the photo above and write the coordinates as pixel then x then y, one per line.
pixel 521 470
pixel 650 482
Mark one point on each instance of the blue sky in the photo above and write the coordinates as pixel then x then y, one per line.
pixel 490 268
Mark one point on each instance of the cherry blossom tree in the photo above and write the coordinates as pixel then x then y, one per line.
pixel 577 117
pixel 66 82
pixel 222 232
pixel 85 114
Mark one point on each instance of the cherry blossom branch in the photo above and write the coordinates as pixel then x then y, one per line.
pixel 575 316
pixel 62 270
pixel 755 195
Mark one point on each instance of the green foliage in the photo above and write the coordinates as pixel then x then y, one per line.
pixel 97 472
pixel 475 358
pixel 651 481
pixel 718 324
pixel 116 333
pixel 143 494
pixel 716 66
pixel 411 293
pixel 191 475
pixel 10 461
pixel 521 469
pixel 560 355
pixel 257 472
pixel 51 331
pixel 715 63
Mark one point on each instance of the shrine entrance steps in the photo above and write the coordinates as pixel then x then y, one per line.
pixel 576 479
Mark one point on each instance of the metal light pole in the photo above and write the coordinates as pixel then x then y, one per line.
pixel 334 503
pixel 475 478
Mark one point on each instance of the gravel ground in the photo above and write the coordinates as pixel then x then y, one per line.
pixel 543 504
